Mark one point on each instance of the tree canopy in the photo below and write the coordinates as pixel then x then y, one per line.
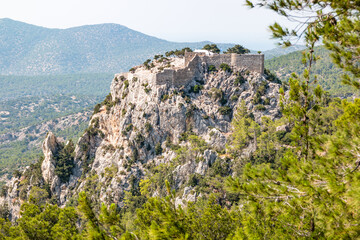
pixel 237 49
pixel 212 48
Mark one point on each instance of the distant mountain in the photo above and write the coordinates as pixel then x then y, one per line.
pixel 276 52
pixel 31 50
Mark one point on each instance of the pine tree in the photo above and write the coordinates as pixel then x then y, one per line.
pixel 335 22
pixel 313 192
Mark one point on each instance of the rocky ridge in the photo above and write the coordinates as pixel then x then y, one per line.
pixel 142 125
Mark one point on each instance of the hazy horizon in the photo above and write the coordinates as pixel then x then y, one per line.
pixel 228 21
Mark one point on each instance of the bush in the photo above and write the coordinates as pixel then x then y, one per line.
pixel 129 127
pixel 126 84
pixel 158 149
pixel 146 64
pixel 267 101
pixel 239 80
pixel 140 139
pixel 234 98
pixel 211 68
pixel 147 90
pixel 216 94
pixel 165 97
pixel 194 179
pixel 178 53
pixel 262 88
pixel 220 167
pixel 257 98
pixel 97 108
pixel 148 127
pixel 271 77
pixel 260 107
pixel 225 110
pixel 225 67
pixel 196 89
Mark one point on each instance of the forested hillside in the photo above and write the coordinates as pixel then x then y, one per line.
pixel 31 50
pixel 30 106
pixel 328 74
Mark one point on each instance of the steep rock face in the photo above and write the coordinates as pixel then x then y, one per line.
pixel 49 147
pixel 142 123
pixel 141 116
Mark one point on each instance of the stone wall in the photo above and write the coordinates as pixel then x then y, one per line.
pixel 253 62
pixel 180 77
pixel 217 59
pixel 165 77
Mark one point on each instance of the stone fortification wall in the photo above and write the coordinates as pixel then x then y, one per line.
pixel 165 77
pixel 190 55
pixel 180 77
pixel 217 59
pixel 253 62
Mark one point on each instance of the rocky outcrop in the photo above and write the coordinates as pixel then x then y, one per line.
pixel 142 123
pixel 141 114
pixel 50 147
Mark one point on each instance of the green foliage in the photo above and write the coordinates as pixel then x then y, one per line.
pixel 271 76
pixel 196 88
pixel 146 89
pixel 211 69
pixel 237 49
pixel 164 97
pixel 216 93
pixel 328 75
pixel 97 108
pixel 335 23
pixel 178 53
pixel 225 67
pixel 43 222
pixel 212 48
pixel 245 128
pixel 225 110
pixel 148 127
pixel 161 219
pixel 126 84
pixel 64 161
pixel 234 98
pixel 260 107
pixel 239 79
pixel 158 149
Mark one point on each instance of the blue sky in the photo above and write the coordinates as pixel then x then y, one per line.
pixel 182 21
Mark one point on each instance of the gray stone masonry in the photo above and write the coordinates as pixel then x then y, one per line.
pixel 193 61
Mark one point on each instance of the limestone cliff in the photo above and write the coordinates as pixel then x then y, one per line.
pixel 137 126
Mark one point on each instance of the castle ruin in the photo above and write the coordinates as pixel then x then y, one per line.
pixel 194 60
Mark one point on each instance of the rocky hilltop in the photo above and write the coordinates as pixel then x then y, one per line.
pixel 145 126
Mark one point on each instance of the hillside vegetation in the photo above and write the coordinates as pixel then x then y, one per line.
pixel 30 106
pixel 328 74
